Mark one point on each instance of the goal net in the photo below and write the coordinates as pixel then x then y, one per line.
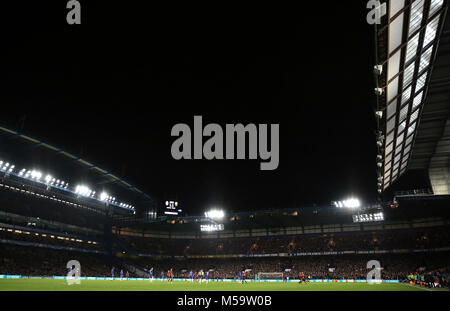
pixel 270 276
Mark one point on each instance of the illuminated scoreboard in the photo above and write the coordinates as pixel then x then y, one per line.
pixel 172 208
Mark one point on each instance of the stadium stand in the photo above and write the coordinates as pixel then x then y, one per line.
pixel 43 261
pixel 42 228
pixel 19 203
pixel 395 266
pixel 376 240
pixel 47 238
pixel 54 238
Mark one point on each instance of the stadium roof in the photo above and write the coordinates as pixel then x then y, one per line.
pixel 411 46
pixel 407 208
pixel 65 161
pixel 432 144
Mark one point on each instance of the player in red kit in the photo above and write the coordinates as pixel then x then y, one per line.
pixel 302 278
pixel 169 275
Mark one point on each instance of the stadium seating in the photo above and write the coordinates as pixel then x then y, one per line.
pixel 395 266
pixel 39 261
pixel 363 241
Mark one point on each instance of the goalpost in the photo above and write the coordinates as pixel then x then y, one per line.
pixel 270 276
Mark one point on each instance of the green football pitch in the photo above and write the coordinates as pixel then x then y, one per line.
pixel 117 285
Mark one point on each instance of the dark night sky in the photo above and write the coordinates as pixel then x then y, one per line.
pixel 112 88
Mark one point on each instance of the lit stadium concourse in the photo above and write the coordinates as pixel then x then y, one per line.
pixel 412 74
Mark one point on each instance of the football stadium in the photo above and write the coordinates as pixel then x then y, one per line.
pixel 70 223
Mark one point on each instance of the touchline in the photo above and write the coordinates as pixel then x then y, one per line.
pixel 213 147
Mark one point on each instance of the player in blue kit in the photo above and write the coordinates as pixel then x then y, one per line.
pixel 162 275
pixel 112 273
pixel 200 276
pixel 191 276
pixel 240 277
pixel 150 274
pixel 121 275
pixel 207 276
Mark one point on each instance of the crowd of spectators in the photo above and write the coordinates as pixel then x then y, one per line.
pixel 366 241
pixel 38 261
pixel 395 266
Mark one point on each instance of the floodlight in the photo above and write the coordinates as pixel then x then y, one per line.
pixel 83 190
pixel 103 196
pixel 378 69
pixel 380 137
pixel 349 203
pixel 352 203
pixel 36 175
pixel 215 214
